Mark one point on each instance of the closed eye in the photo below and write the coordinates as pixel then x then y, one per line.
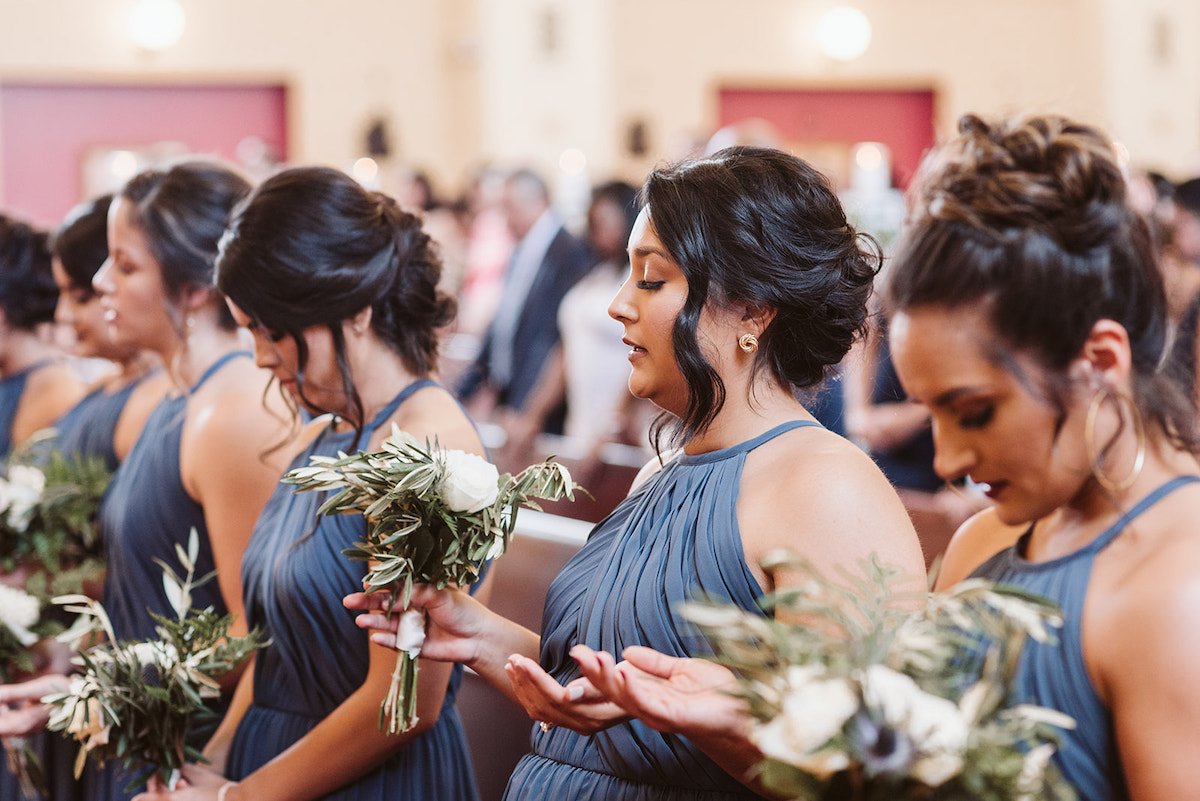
pixel 650 284
pixel 977 419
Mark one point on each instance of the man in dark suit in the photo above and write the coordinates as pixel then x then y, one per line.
pixel 546 262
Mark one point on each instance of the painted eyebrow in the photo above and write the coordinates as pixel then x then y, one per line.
pixel 951 395
pixel 642 252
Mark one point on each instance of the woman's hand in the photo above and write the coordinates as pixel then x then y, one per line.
pixel 198 783
pixel 456 621
pixel 668 694
pixel 577 706
pixel 22 713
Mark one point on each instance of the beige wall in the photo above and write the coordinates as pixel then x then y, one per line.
pixel 465 80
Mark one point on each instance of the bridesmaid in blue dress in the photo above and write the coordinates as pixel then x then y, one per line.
pixel 339 288
pixel 746 286
pixel 108 420
pixel 1030 317
pixel 204 458
pixel 36 384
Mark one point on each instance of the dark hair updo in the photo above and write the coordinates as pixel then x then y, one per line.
pixel 81 242
pixel 311 246
pixel 1029 219
pixel 28 293
pixel 760 227
pixel 183 212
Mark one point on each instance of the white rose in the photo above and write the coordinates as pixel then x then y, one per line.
pixel 814 711
pixel 469 482
pixel 19 611
pixel 25 487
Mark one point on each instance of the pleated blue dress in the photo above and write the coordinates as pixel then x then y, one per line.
pixel 87 429
pixel 1056 675
pixel 294 578
pixel 673 539
pixel 144 515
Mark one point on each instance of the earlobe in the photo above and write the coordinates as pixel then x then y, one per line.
pixel 360 322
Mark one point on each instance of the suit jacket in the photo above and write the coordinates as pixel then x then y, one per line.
pixel 566 261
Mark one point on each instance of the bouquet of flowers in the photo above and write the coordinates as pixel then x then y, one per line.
pixel 143 701
pixel 434 516
pixel 22 626
pixel 48 508
pixel 867 694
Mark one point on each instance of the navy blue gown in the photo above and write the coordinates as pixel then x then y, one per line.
pixel 87 429
pixel 145 513
pixel 1056 675
pixel 294 577
pixel 11 389
pixel 675 538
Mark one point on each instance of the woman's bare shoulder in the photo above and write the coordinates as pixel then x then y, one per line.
pixel 981 537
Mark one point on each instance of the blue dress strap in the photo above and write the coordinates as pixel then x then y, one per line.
pixel 1154 497
pixel 392 406
pixel 217 365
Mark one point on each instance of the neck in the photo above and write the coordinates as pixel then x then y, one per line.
pixel 186 358
pixel 378 374
pixel 745 416
pixel 136 364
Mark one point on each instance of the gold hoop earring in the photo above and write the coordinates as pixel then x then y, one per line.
pixel 748 342
pixel 1093 453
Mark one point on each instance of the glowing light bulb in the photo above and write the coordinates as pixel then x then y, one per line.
pixel 844 33
pixel 157 25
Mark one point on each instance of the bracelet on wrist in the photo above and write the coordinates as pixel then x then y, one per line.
pixel 224 790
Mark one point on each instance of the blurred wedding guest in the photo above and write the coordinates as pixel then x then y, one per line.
pixel 339 287
pixel 1085 445
pixel 36 384
pixel 109 419
pixel 488 248
pixel 444 226
pixel 746 284
pixel 589 370
pixel 207 456
pixel 547 261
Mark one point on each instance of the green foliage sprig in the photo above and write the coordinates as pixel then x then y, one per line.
pixel 49 504
pixel 145 702
pixel 434 516
pixel 862 692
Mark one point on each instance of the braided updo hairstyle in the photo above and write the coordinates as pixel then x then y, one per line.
pixel 760 227
pixel 311 247
pixel 1029 219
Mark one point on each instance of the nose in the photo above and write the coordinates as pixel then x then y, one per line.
pixel 622 308
pixel 102 280
pixel 953 457
pixel 266 354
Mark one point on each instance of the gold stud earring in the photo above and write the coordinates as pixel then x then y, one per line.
pixel 748 342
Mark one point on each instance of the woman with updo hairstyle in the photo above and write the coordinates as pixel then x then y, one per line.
pixel 339 288
pixel 1029 316
pixel 746 285
pixel 203 458
pixel 109 419
pixel 36 384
